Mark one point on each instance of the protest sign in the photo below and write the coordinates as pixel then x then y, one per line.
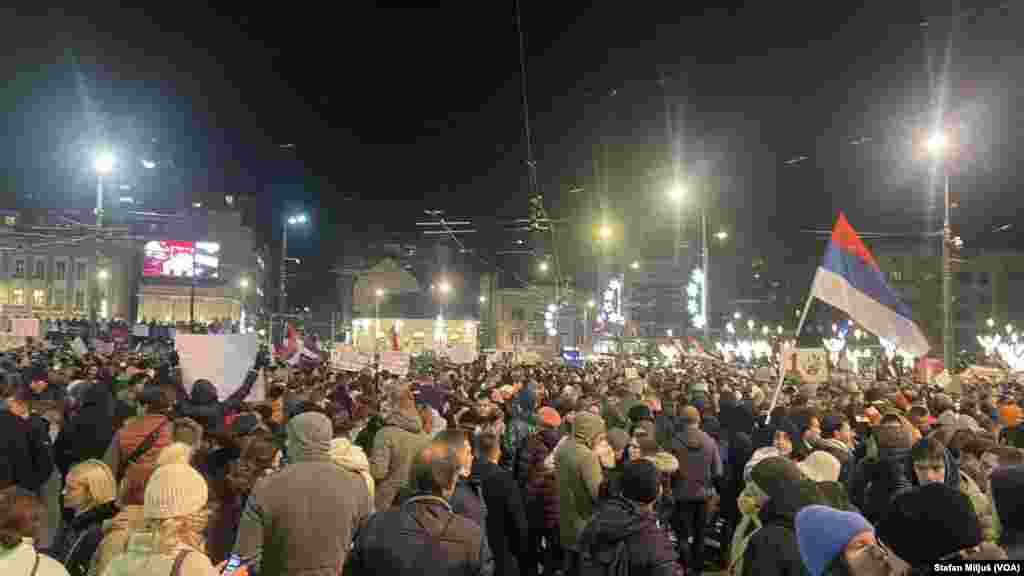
pixel 461 354
pixel 223 359
pixel 141 331
pixel 103 347
pixel 25 327
pixel 396 363
pixel 349 359
pixel 809 364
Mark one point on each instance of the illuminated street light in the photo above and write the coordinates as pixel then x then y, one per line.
pixel 103 274
pixel 668 332
pixel 635 265
pixel 543 266
pixel 750 324
pixel 104 163
pixel 605 232
pixel 552 308
pixel 483 299
pixel 379 292
pixel 445 287
pixel 1009 328
pixel 778 330
pixel 937 143
pixel 991 323
pixel 244 283
pixel 736 315
pixel 591 304
pixel 297 219
pixel 677 193
pixel 721 235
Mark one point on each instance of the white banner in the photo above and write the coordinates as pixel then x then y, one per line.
pixel 140 330
pixel 223 359
pixel 348 359
pixel 461 354
pixel 396 363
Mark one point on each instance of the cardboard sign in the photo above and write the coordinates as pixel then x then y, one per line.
pixel 25 327
pixel 396 363
pixel 223 359
pixel 461 354
pixel 349 359
pixel 809 364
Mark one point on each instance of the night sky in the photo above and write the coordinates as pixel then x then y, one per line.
pixel 790 112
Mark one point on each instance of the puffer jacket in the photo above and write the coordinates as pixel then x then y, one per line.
pixel 79 539
pixel 394 447
pixel 541 480
pixel 422 537
pixel 651 553
pixel 773 550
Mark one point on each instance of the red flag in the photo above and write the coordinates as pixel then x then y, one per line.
pixel 395 344
pixel 293 342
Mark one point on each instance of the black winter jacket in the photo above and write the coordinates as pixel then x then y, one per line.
pixel 78 540
pixel 505 525
pixel 26 455
pixel 650 551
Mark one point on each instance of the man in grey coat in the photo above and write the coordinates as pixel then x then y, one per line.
pixel 301 520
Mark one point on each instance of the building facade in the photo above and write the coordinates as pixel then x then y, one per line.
pixel 985 286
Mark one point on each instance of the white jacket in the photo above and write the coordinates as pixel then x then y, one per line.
pixel 18 561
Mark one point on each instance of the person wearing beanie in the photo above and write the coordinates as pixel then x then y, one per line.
pixel 1006 486
pixel 580 476
pixel 930 523
pixel 836 542
pixel 630 519
pixel 175 517
pixel 823 469
pixel 932 462
pixel 535 471
pixel 773 549
pixel 302 519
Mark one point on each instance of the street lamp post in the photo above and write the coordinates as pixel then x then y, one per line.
pixel 289 221
pixel 937 145
pixel 103 164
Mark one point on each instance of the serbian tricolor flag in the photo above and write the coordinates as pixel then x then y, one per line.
pixel 851 281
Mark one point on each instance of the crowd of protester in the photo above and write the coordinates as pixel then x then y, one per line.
pixel 113 466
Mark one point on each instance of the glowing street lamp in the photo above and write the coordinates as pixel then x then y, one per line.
pixel 483 299
pixel 991 322
pixel 243 283
pixel 104 162
pixel 937 143
pixel 591 304
pixel 635 265
pixel 103 274
pixel 750 324
pixel 444 287
pixel 293 220
pixel 736 315
pixel 721 235
pixel 543 266
pixel 605 232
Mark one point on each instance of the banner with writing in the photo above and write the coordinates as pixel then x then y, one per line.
pixel 396 363
pixel 223 359
pixel 348 359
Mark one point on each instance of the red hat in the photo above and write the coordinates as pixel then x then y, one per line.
pixel 549 417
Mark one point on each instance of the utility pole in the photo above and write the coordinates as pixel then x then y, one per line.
pixel 706 265
pixel 948 342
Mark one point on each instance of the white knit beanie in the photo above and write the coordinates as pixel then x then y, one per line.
pixel 174 490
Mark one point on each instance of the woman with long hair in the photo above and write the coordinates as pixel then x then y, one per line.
pixel 90 491
pixel 171 542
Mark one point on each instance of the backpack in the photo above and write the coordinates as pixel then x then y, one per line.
pixel 610 562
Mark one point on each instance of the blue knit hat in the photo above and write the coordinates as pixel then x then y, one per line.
pixel 824 532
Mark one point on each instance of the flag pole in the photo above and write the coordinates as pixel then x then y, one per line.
pixel 796 338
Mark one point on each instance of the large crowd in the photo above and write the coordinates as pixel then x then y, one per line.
pixel 113 466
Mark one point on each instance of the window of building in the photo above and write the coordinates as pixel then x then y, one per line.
pixel 896 276
pixel 80 269
pixel 39 298
pixel 79 299
pixel 18 296
pixel 40 269
pixel 10 220
pixel 59 270
pixel 229 200
pixel 19 268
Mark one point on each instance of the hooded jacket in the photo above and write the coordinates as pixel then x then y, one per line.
pixel 202 404
pixel 773 549
pixel 505 523
pixel 579 477
pixel 301 520
pixel 650 551
pixel 541 480
pixel 394 447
